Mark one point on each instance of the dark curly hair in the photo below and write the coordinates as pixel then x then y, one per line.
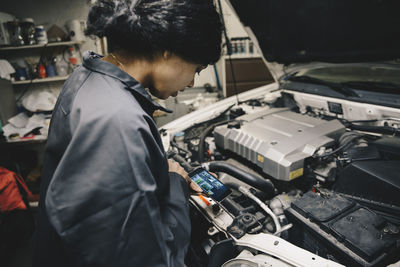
pixel 191 29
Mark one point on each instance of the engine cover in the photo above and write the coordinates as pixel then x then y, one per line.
pixel 278 140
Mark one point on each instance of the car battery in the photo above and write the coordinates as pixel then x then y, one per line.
pixel 337 228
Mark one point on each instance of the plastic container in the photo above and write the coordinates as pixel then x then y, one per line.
pixel 41 69
pixel 28 31
pixel 40 35
pixel 50 70
pixel 61 66
pixel 73 59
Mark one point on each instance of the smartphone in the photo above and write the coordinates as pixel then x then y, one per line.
pixel 210 185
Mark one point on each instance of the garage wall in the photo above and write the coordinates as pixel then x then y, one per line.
pixel 49 12
pixel 234 28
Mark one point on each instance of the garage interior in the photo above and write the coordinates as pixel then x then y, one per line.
pixel 318 145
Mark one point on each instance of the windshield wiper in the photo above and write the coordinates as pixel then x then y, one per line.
pixel 338 87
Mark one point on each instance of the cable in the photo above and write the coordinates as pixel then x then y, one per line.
pixel 210 121
pixel 203 136
pixel 257 192
pixel 234 79
pixel 372 120
pixel 357 121
pixel 188 168
pixel 375 129
pixel 345 141
pixel 217 78
pixel 385 129
pixel 229 50
pixel 187 152
pixel 247 193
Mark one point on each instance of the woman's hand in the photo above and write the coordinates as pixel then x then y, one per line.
pixel 175 167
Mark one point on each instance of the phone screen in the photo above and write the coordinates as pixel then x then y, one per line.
pixel 209 184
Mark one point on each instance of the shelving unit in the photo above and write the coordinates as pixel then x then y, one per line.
pixel 15 49
pixel 17 52
pixel 10 48
pixel 43 80
pixel 33 141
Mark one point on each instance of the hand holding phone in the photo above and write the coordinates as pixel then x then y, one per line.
pixel 174 166
pixel 210 185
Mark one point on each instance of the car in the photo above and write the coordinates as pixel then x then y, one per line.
pixel 312 160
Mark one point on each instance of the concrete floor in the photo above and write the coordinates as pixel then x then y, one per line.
pixel 21 257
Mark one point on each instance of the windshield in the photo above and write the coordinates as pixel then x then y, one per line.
pixel 366 83
pixel 365 74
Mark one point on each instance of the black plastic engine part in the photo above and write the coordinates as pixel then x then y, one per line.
pixel 232 206
pixel 362 231
pixel 389 212
pixel 388 146
pixel 234 125
pixel 221 253
pixel 376 180
pixel 203 247
pixel 350 234
pixel 361 153
pixel 322 206
pixel 236 112
pixel 241 224
pixel 203 136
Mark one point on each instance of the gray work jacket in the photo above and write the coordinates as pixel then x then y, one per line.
pixel 107 198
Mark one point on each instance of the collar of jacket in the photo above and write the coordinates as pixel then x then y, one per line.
pixel 93 61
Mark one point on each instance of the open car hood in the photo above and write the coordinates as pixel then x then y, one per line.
pixel 335 32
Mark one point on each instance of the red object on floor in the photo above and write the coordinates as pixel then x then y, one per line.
pixel 10 195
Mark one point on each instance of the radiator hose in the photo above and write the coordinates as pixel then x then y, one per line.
pixel 262 184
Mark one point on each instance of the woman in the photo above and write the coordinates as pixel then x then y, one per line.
pixel 109 196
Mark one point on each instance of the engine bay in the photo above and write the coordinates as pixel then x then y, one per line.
pixel 311 185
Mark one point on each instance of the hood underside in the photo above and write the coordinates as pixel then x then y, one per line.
pixel 326 31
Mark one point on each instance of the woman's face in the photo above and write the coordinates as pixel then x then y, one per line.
pixel 172 74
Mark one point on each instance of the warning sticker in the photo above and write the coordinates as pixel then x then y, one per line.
pixel 296 173
pixel 260 158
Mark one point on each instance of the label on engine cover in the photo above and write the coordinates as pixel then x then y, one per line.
pixel 260 158
pixel 296 173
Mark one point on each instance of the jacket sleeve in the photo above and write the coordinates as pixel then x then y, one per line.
pixel 105 197
pixel 176 216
